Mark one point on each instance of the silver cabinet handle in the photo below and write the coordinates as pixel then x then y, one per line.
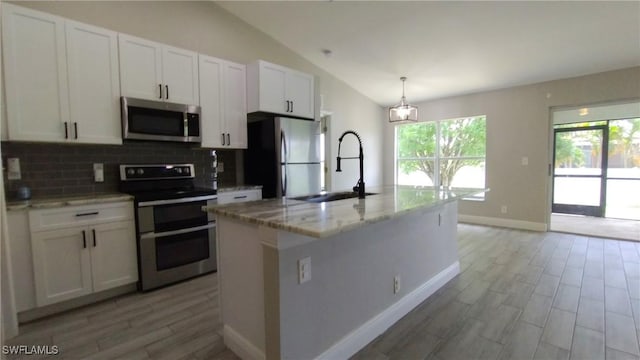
pixel 93 231
pixel 160 88
pixel 75 128
pixel 167 92
pixel 223 143
pixel 66 130
pixel 228 139
pixel 240 197
pixel 84 239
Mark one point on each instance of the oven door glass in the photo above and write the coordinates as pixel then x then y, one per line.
pixel 155 122
pixel 177 250
pixel 179 216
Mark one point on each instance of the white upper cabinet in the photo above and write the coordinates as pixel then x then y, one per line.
pixel 35 69
pixel 61 79
pixel 180 75
pixel 235 105
pixel 223 103
pixel 94 86
pixel 154 71
pixel 280 90
pixel 300 93
pixel 140 68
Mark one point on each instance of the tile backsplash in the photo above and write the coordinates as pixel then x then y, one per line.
pixel 67 169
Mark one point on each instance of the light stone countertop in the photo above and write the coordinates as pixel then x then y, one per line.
pixel 61 201
pixel 329 218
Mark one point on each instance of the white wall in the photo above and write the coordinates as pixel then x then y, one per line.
pixel 205 27
pixel 518 125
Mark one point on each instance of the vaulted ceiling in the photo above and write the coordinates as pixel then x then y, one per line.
pixel 450 48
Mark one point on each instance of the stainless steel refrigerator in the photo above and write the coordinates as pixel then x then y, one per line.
pixel 283 156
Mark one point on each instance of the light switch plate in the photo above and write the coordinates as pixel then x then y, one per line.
pixel 220 166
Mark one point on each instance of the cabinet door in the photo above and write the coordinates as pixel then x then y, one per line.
pixel 300 93
pixel 94 87
pixel 235 105
pixel 272 88
pixel 140 68
pixel 211 100
pixel 61 264
pixel 35 69
pixel 113 255
pixel 180 76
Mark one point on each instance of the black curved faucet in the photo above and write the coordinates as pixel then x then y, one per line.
pixel 359 188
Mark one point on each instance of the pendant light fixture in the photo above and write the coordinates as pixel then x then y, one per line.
pixel 403 112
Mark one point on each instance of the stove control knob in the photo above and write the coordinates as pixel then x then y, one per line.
pixel 140 171
pixel 186 170
pixel 179 170
pixel 130 171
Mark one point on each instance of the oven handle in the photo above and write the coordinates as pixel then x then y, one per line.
pixel 177 201
pixel 177 232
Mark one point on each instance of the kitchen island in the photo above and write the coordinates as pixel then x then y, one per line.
pixel 301 280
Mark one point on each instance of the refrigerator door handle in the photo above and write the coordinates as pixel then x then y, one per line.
pixel 283 147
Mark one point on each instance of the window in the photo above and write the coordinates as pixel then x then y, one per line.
pixel 451 153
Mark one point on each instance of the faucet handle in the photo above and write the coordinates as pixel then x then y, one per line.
pixel 338 169
pixel 357 187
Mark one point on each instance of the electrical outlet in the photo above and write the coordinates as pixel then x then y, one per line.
pixel 304 270
pixel 503 209
pixel 98 172
pixel 396 284
pixel 13 166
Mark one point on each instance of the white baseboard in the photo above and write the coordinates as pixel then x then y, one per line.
pixel 507 223
pixel 241 346
pixel 360 337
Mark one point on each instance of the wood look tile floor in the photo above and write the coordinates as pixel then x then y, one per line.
pixel 520 295
pixel 177 322
pixel 526 295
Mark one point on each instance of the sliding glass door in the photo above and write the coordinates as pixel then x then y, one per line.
pixel 623 173
pixel 596 169
pixel 580 170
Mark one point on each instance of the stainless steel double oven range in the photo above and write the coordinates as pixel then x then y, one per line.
pixel 176 239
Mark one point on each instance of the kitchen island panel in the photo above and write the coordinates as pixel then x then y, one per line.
pixel 350 298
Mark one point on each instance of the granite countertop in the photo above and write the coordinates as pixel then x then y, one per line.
pixel 239 188
pixel 329 218
pixel 60 201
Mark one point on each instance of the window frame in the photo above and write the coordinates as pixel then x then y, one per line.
pixel 437 158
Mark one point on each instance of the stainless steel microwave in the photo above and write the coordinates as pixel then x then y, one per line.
pixel 161 121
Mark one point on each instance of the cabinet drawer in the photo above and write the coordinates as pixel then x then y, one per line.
pixel 239 196
pixel 49 219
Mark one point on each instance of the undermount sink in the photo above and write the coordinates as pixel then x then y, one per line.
pixel 318 198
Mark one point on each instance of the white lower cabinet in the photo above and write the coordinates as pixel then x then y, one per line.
pixel 61 264
pixel 97 254
pixel 113 255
